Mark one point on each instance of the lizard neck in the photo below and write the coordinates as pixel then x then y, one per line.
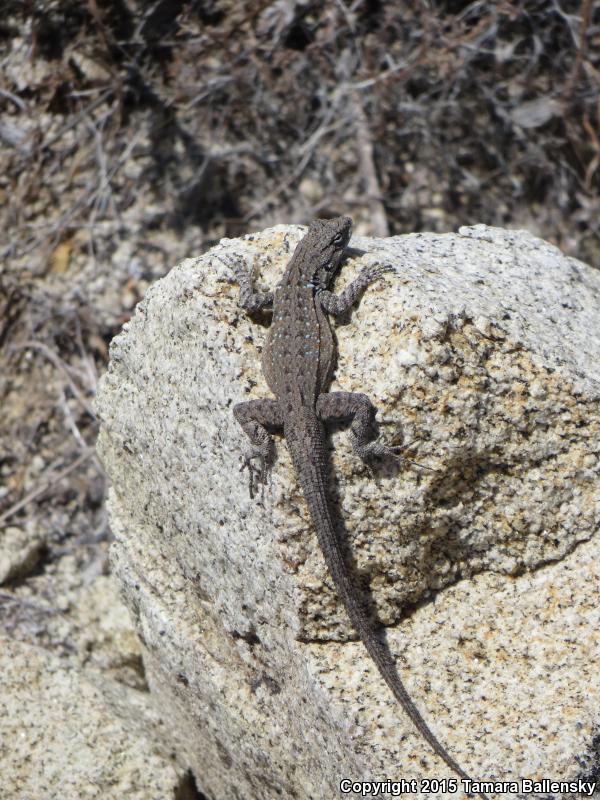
pixel 300 271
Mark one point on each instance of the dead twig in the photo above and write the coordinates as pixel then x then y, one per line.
pixel 366 159
pixel 52 481
pixel 61 366
pixel 586 8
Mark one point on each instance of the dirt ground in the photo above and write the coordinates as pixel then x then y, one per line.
pixel 133 135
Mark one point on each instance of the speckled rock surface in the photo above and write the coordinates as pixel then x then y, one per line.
pixel 68 735
pixel 484 348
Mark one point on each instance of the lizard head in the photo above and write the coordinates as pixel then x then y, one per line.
pixel 326 240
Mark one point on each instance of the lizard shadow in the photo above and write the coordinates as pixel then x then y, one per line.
pixel 464 480
pixel 443 490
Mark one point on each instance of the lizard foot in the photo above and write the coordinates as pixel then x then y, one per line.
pixel 258 474
pixel 373 272
pixel 379 449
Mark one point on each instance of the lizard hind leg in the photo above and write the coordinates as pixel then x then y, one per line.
pixel 255 417
pixel 358 407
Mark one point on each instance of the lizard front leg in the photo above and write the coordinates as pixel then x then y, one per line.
pixel 249 299
pixel 255 416
pixel 337 304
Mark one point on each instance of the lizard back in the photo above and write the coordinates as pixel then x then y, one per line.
pixel 299 352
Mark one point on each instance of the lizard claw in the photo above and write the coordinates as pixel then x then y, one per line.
pixel 396 451
pixel 264 457
pixel 381 450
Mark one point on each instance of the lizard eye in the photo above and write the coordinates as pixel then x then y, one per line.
pixel 339 238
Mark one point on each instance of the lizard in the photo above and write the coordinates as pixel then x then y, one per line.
pixel 297 362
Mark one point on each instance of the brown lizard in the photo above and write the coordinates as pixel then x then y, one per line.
pixel 297 362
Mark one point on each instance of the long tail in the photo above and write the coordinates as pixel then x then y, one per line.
pixel 308 455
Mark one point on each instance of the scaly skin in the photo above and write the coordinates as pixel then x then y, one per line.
pixel 298 360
